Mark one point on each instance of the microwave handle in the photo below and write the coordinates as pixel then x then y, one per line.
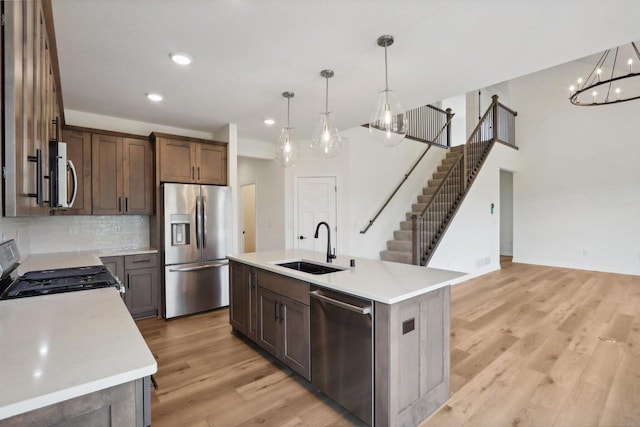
pixel 74 193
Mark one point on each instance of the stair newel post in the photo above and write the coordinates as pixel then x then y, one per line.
pixel 415 244
pixel 449 117
pixel 494 123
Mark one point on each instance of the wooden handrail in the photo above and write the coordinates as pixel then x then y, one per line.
pixel 446 126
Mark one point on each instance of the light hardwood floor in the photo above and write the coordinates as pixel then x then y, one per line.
pixel 530 345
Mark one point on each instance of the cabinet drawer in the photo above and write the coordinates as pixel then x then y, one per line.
pixel 140 261
pixel 292 288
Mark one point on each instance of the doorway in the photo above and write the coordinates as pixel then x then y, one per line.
pixel 316 202
pixel 248 217
pixel 506 213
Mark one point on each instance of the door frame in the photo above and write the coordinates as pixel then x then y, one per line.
pixel 337 233
pixel 500 207
pixel 241 213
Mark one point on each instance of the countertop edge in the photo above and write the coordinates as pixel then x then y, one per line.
pixel 314 279
pixel 35 403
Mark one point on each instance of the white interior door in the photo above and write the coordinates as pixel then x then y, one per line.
pixel 316 203
pixel 248 208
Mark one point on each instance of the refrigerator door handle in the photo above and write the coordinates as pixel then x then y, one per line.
pixel 198 221
pixel 196 268
pixel 204 221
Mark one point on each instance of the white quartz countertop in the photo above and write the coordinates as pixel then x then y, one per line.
pixel 57 347
pixel 53 260
pixel 381 281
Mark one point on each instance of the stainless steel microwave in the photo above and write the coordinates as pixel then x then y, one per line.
pixel 61 194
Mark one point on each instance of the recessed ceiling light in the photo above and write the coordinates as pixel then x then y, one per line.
pixel 156 97
pixel 181 58
pixel 269 122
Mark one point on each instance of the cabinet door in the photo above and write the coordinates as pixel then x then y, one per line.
pixel 141 291
pixel 79 152
pixel 268 330
pixel 252 326
pixel 211 164
pixel 106 174
pixel 137 167
pixel 296 342
pixel 177 161
pixel 115 265
pixel 239 297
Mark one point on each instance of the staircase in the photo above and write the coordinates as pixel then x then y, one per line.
pixel 400 248
pixel 425 225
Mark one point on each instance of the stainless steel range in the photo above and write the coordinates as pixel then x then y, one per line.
pixel 45 282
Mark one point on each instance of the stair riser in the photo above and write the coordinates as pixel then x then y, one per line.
pixel 399 246
pixel 400 257
pixel 402 235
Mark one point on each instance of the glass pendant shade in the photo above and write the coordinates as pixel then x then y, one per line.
pixel 388 123
pixel 326 141
pixel 287 152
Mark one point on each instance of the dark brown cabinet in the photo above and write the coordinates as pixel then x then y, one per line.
pixel 29 108
pixel 79 152
pixel 283 320
pixel 122 175
pixel 191 161
pixel 242 299
pixel 139 276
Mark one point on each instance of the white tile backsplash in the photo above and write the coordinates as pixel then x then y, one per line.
pixel 76 233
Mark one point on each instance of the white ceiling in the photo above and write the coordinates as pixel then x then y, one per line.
pixel 247 52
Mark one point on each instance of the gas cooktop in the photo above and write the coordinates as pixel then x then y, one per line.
pixel 61 280
pixel 46 282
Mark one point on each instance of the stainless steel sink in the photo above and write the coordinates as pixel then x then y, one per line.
pixel 310 267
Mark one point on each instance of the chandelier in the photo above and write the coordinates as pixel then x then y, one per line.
pixel 611 80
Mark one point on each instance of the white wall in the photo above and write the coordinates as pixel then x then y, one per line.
pixel 472 242
pixel 366 173
pixel 268 176
pixel 577 196
pixel 75 233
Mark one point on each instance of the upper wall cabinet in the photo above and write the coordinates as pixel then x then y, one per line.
pixel 121 175
pixel 30 105
pixel 190 160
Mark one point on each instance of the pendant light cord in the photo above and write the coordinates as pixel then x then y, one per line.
pixel 386 77
pixel 288 103
pixel 326 98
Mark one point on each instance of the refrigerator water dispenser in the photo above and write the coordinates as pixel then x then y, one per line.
pixel 180 227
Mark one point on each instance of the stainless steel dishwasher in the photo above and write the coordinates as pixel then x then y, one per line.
pixel 342 350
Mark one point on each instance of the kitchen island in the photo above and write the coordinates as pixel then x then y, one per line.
pixel 73 357
pixel 404 308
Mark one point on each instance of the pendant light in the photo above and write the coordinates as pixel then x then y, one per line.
pixel 326 141
pixel 287 152
pixel 388 122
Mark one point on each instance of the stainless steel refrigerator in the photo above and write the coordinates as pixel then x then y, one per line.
pixel 197 238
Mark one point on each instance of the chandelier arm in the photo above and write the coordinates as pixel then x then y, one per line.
pixel 601 61
pixel 636 49
pixel 615 59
